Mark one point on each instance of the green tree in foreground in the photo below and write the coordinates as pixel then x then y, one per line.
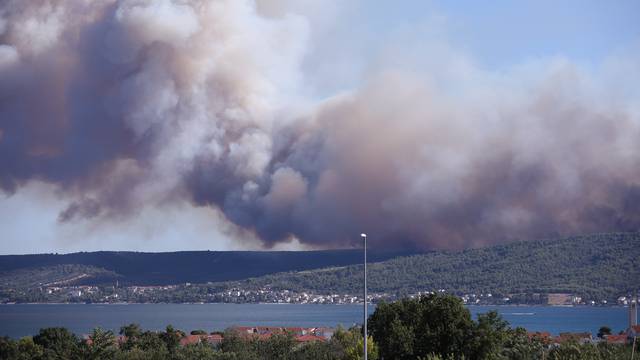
pixel 24 349
pixel 352 344
pixel 439 327
pixel 58 343
pixel 490 334
pixel 131 333
pixel 27 349
pixel 573 351
pixel 171 338
pixel 519 346
pixel 356 352
pixel 102 345
pixel 604 330
pixel 412 328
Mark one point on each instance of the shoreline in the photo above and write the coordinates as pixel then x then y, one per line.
pixel 263 303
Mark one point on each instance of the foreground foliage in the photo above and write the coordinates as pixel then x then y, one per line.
pixel 59 343
pixel 439 327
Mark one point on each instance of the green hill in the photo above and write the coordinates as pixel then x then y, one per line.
pixel 138 268
pixel 55 275
pixel 601 266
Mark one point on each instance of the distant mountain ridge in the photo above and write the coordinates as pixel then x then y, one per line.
pixel 598 266
pixel 140 268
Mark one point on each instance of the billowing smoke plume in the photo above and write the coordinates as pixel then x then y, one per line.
pixel 123 104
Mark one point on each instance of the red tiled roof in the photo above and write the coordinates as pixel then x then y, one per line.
pixel 539 334
pixel 264 332
pixel 119 340
pixel 584 335
pixel 616 339
pixel 573 336
pixel 268 328
pixel 306 338
pixel 190 340
pixel 544 336
pixel 243 328
pixel 196 339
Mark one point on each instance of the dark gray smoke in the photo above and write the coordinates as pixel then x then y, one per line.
pixel 123 104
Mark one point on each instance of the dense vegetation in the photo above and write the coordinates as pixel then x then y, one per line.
pixel 29 285
pixel 601 266
pixel 440 327
pixel 55 275
pixel 59 343
pixel 431 327
pixel 136 268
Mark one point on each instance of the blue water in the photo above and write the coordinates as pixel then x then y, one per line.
pixel 26 319
pixel 557 319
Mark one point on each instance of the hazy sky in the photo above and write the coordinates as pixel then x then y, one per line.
pixel 161 126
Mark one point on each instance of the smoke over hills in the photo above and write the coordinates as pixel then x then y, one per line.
pixel 129 104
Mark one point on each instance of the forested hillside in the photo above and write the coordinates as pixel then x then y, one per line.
pixel 594 266
pixel 602 266
pixel 54 275
pixel 137 268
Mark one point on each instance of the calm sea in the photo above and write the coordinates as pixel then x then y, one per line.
pixel 26 319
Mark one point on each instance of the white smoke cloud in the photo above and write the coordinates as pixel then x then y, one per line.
pixel 140 107
pixel 8 55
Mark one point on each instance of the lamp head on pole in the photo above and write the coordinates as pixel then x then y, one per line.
pixel 363 235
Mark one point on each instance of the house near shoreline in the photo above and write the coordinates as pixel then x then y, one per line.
pixel 580 338
pixel 299 333
pixel 213 339
pixel 616 339
pixel 626 337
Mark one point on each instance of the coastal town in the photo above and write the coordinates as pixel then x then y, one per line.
pixel 206 293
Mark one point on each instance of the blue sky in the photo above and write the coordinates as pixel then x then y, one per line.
pixel 501 33
pixel 494 35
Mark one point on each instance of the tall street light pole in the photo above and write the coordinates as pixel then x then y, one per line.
pixel 364 237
